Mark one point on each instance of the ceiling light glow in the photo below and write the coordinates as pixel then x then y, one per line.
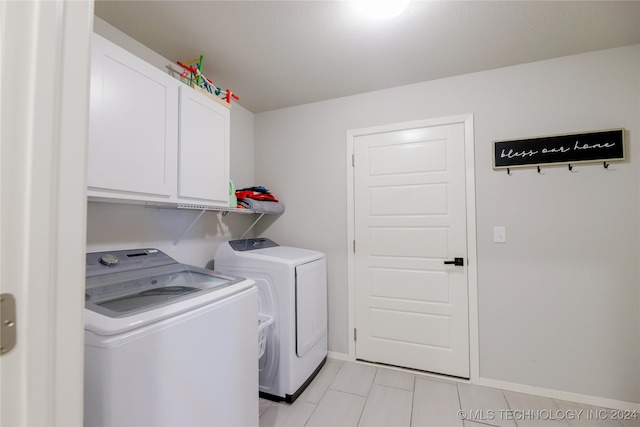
pixel 380 9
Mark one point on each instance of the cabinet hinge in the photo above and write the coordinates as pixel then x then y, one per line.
pixel 354 246
pixel 355 334
pixel 353 160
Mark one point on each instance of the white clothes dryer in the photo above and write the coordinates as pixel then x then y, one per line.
pixel 292 287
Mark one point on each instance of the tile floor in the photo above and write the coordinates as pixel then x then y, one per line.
pixel 355 394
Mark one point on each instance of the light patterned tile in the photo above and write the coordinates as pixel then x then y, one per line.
pixel 320 383
pixel 337 409
pixel 394 378
pixel 475 424
pixel 284 415
pixel 354 378
pixel 581 415
pixel 264 404
pixel 484 404
pixel 341 388
pixel 532 411
pixel 435 404
pixel 387 407
pixel 631 419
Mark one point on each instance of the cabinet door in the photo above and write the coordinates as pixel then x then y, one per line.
pixel 203 165
pixel 133 126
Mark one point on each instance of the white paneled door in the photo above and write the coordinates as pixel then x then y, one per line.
pixel 410 224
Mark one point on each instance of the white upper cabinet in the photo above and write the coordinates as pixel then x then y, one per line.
pixel 203 155
pixel 133 127
pixel 152 138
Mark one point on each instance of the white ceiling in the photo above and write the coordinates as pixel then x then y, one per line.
pixel 277 54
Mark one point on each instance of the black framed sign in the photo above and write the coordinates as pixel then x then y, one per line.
pixel 597 146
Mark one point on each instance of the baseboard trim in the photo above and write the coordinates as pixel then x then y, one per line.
pixel 339 356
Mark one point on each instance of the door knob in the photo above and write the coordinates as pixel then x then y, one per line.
pixel 456 261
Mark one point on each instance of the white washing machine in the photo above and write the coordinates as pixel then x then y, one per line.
pixel 292 287
pixel 168 344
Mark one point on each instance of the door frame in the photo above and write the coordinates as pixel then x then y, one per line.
pixel 43 207
pixel 470 188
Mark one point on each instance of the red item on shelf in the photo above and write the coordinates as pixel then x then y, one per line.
pixel 248 194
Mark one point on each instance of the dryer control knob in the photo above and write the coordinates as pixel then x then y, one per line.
pixel 109 260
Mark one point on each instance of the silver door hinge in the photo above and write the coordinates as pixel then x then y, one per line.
pixel 355 334
pixel 354 246
pixel 7 323
pixel 353 160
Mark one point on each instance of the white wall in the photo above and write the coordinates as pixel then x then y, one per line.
pixel 120 226
pixel 559 303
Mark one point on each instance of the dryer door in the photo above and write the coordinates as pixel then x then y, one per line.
pixel 311 304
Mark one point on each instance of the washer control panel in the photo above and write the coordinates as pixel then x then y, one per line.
pixel 251 244
pixel 99 263
pixel 109 260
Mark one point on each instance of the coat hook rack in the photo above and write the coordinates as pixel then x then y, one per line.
pixel 598 147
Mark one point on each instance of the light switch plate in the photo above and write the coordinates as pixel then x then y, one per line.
pixel 500 234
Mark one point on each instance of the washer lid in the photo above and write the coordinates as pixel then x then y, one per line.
pixel 132 292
